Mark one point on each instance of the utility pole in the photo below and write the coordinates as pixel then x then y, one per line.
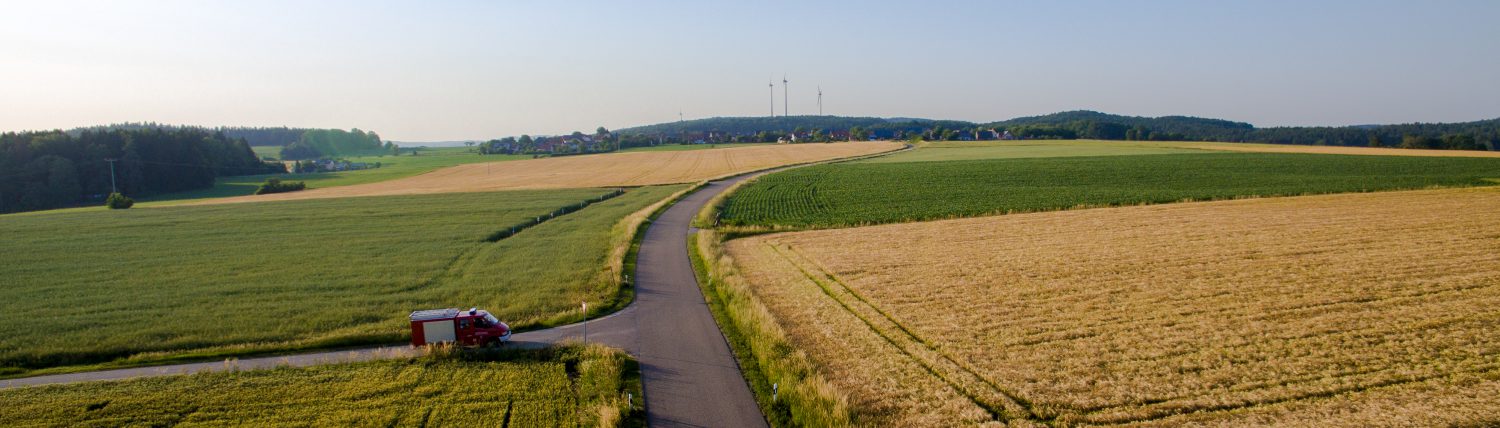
pixel 112 188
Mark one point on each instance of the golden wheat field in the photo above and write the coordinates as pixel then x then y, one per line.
pixel 1377 309
pixel 601 170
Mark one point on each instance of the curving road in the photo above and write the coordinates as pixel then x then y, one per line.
pixel 690 376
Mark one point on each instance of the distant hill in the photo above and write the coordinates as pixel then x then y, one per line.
pixel 786 124
pixel 1477 135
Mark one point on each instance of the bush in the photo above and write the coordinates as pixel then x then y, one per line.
pixel 117 201
pixel 274 185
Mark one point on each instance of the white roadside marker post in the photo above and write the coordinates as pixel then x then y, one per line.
pixel 585 323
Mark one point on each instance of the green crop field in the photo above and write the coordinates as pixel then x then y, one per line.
pixel 975 150
pixel 570 386
pixel 391 167
pixel 148 285
pixel 852 194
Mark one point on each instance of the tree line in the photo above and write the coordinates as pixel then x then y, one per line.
pixel 256 136
pixel 296 143
pixel 53 169
pixel 326 143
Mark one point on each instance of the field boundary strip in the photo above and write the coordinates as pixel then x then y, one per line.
pixel 465 257
pixel 565 210
pixel 1001 404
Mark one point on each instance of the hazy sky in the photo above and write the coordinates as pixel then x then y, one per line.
pixel 425 71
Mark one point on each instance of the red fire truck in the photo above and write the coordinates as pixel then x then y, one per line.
pixel 469 328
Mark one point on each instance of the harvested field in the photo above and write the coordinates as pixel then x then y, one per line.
pixel 603 170
pixel 1354 310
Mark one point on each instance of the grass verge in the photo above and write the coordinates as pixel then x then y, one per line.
pixel 787 386
pixel 625 242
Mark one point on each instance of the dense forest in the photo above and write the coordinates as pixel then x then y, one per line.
pixel 52 169
pixel 303 143
pixel 256 136
pixel 1479 135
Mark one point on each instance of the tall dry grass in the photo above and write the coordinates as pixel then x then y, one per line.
pixel 804 397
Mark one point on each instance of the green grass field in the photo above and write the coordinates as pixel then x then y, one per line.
pixel 852 194
pixel 391 167
pixel 267 151
pixel 975 150
pixel 564 387
pixel 681 147
pixel 142 286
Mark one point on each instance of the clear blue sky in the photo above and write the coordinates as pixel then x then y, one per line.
pixel 424 71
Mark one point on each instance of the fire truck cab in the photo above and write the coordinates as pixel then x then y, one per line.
pixel 473 327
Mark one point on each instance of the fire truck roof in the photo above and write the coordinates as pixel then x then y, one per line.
pixel 434 314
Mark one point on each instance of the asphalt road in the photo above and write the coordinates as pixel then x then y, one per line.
pixel 690 376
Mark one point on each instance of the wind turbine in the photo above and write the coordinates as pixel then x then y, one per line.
pixel 785 106
pixel 771 83
pixel 820 100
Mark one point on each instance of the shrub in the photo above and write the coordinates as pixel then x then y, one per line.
pixel 117 201
pixel 274 185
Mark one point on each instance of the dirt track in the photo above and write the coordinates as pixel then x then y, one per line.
pixel 602 170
